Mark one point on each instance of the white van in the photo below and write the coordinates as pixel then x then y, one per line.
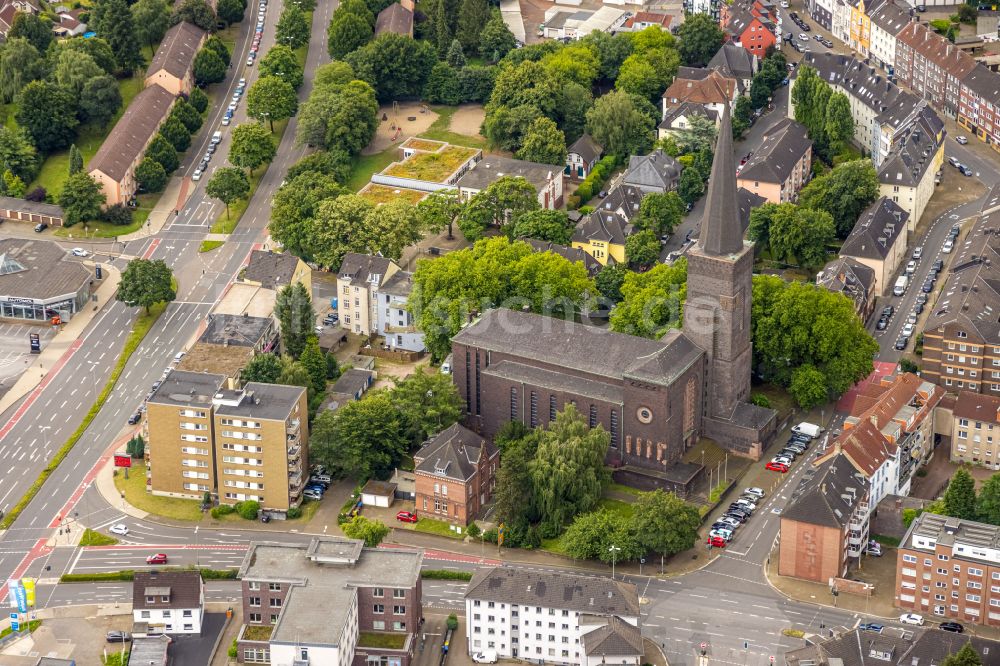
pixel 810 430
pixel 446 367
pixel 899 288
pixel 216 138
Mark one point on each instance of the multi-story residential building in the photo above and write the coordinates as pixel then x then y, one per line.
pixel 710 7
pixel 887 20
pixel 911 151
pixel 961 336
pixel 250 443
pixel 854 280
pixel 752 26
pixel 167 602
pixel 706 87
pixel 821 11
pixel 555 618
pixel 781 165
pixel 547 180
pixel 892 646
pixel 975 433
pixel 331 601
pixel 840 24
pixel 455 474
pixel 679 117
pixel 979 105
pixel 172 65
pixel 394 322
pixel 602 234
pixel 735 63
pixel 931 66
pixel 949 567
pixel 358 280
pixel 859 37
pixel 826 524
pixel 878 240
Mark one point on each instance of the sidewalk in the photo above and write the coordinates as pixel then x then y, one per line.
pixel 59 349
pixel 174 197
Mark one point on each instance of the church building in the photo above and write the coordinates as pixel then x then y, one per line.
pixel 655 397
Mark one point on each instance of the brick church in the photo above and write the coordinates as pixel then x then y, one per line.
pixel 655 397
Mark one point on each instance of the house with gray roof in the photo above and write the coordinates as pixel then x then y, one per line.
pixel 887 20
pixel 571 254
pixel 878 240
pixel 455 474
pixel 656 172
pixel 599 618
pixel 678 118
pixel 735 62
pixel 545 178
pixel 582 156
pixel 856 281
pixel 358 280
pixel 274 270
pixel 893 646
pixel 396 18
pixel 781 165
pixel 167 602
pixel 907 173
pixel 394 321
pixel 602 235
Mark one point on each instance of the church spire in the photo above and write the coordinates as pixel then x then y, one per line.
pixel 721 231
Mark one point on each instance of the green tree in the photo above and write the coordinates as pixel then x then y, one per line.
pixel 638 77
pixel 496 40
pixel 215 43
pixel 575 63
pixel 514 495
pixel 293 27
pixel 441 36
pixel 48 112
pixel 333 74
pixel 395 65
pixel 651 302
pixel 839 127
pixel 174 131
pixel 844 193
pixel 312 360
pixel 505 126
pixel 294 373
pixel 230 11
pixel 100 100
pixel 197 12
pixel 270 99
pixel 364 439
pixel 343 118
pixel 13 186
pixel 372 532
pixel 118 29
pixel 661 212
pixel 699 135
pixel 476 82
pixel 346 33
pixel 262 368
pixel 443 86
pixel 610 280
pixel 528 83
pixel 81 198
pixel 500 204
pixel 350 223
pixel 967 655
pixel 742 116
pixel 568 470
pixel 700 37
pixel 642 248
pixel 616 122
pixel 800 235
pixel 439 210
pixel 691 186
pixel 162 152
pixel 146 282
pixel 136 447
pixel 988 502
pixel 252 146
pixel 73 69
pixel 208 67
pixel 187 114
pixel 359 8
pixel 75 160
pixel 17 154
pixel 36 28
pixel 294 207
pixel 20 64
pixel 152 18
pixel 665 523
pixel 428 402
pixel 280 61
pixel 543 143
pixel 455 56
pixel 544 224
pixel 808 386
pixel 228 185
pixel 94 47
pixel 960 496
pixel 199 100
pixel 471 21
pixel 603 535
pixel 294 310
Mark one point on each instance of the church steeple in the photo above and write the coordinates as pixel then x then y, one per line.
pixel 721 232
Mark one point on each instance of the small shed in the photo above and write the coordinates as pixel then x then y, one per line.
pixel 378 493
pixel 354 382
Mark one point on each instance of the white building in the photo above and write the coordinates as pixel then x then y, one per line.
pixel 358 280
pixel 552 617
pixel 167 602
pixel 395 323
pixel 887 20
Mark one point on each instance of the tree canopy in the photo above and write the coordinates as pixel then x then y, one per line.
pixel 351 223
pixel 146 282
pixel 844 193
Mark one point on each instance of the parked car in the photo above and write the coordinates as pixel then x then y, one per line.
pixel 918 308
pixel 716 542
pixel 882 324
pixel 927 287
pixel 406 517
pixel 135 418
pixel 948 246
pixel 911 618
pixel 487 657
pixel 120 529
pixel 754 491
pixel 723 533
pixel 954 162
pixel 907 329
pixel 961 139
pixel 922 299
pixel 79 252
pixel 966 171
pixel 901 344
pixel 911 267
pixel 331 318
pixel 938 266
pixel 739 517
pixel 952 626
pixel 871 626
pixel 777 467
pixel 118 637
pixel 312 494
pixel 196 175
pixel 782 460
pixel 731 522
pixel 158 558
pixel 747 503
pixel 40 227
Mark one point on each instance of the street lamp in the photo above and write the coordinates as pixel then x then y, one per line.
pixel 613 549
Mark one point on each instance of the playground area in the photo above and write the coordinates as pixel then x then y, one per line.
pixel 397 122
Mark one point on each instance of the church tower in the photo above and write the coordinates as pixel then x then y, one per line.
pixel 719 288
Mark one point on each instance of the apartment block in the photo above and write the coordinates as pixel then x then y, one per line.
pixel 238 444
pixel 358 280
pixel 979 104
pixel 950 568
pixel 931 66
pixel 331 602
pixel 553 618
pixel 961 337
pixel 975 432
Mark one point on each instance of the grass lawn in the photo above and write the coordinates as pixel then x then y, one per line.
pixel 434 167
pixel 105 230
pixel 380 194
pixel 136 495
pixel 439 129
pixel 384 640
pixel 619 488
pixel 89 138
pixel 32 625
pixel 439 527
pixel 209 245
pixel 366 165
pixel 92 538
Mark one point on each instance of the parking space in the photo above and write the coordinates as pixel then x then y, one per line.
pixel 197 650
pixel 80 638
pixel 15 351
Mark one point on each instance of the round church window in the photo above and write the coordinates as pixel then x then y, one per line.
pixel 644 414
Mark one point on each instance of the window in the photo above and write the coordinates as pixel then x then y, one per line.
pixel 552 408
pixel 378 592
pixel 254 617
pixel 399 594
pixel 188 627
pixel 275 602
pixel 378 609
pixel 144 615
pixel 909 558
pixel 186 613
pixel 378 625
pixel 399 610
pixel 399 626
pixel 274 587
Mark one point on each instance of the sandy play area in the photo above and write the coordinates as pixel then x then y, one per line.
pixel 467 119
pixel 386 130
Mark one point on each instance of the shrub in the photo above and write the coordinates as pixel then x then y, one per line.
pixel 248 509
pixel 760 400
pixel 119 215
pixel 584 192
pixel 909 515
pixel 452 622
pixel 490 535
pixel 906 365
pixel 586 210
pixel 293 512
pixel 37 195
pixel 473 530
pixel 232 651
pixel 922 472
pixel 445 574
pixel 222 510
pixel 572 202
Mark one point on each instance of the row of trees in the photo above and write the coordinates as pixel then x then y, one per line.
pixel 825 113
pixel 962 501
pixel 162 156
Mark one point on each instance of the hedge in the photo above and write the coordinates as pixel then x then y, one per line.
pixel 445 574
pixel 139 330
pixel 593 183
pixel 128 575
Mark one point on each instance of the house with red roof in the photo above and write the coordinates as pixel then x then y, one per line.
pixel 752 25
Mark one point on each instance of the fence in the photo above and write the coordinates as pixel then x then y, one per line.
pixel 392 355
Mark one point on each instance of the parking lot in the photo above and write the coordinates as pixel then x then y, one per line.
pixel 15 353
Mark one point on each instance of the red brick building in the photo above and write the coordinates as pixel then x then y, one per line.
pixel 455 474
pixel 751 25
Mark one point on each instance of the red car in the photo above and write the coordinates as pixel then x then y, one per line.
pixel 716 542
pixel 159 558
pixel 777 467
pixel 406 517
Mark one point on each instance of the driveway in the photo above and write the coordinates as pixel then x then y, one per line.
pixel 197 650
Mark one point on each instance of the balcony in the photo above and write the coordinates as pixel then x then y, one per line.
pixel 292 428
pixel 393 330
pixel 293 451
pixel 295 479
